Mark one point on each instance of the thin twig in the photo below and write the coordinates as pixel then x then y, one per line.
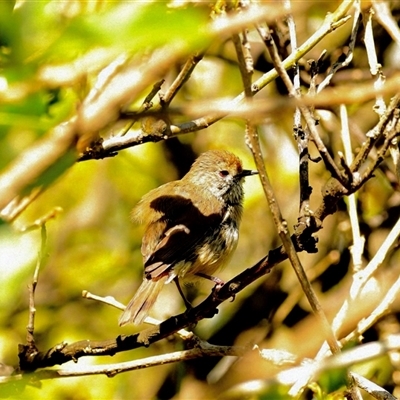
pixel 357 248
pixel 147 102
pixel 366 323
pixel 349 56
pixel 394 132
pixel 385 18
pixel 360 280
pixel 364 275
pixel 377 392
pixel 245 72
pixel 30 347
pixel 18 204
pixel 42 220
pixel 374 65
pixel 345 359
pixel 374 133
pixel 253 143
pixel 109 300
pixel 182 77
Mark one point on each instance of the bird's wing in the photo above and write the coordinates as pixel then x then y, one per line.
pixel 174 237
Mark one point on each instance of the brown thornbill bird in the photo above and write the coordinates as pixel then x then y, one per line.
pixel 192 227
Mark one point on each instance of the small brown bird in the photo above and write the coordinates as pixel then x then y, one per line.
pixel 192 227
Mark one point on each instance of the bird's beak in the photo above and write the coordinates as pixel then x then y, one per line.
pixel 248 172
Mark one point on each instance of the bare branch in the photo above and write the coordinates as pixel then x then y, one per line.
pixel 182 77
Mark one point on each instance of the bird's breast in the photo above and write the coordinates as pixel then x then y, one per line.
pixel 215 250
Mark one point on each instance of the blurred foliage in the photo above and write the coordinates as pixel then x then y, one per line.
pixel 93 246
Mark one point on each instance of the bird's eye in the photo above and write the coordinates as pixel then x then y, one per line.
pixel 223 173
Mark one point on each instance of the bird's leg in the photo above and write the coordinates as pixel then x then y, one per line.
pixel 218 282
pixel 185 300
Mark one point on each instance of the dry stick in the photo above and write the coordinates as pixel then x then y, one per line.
pixel 159 124
pixel 253 143
pixel 371 388
pixel 246 72
pixel 349 56
pixel 156 88
pixel 385 18
pixel 366 323
pixel 30 340
pixel 17 205
pixel 395 132
pixel 301 135
pixel 346 359
pixel 357 248
pixel 281 225
pixel 182 77
pixel 109 300
pixel 374 133
pixel 374 66
pixel 42 220
pixel 147 102
pixel 146 105
pixel 365 274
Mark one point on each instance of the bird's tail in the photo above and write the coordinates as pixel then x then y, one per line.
pixel 139 306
